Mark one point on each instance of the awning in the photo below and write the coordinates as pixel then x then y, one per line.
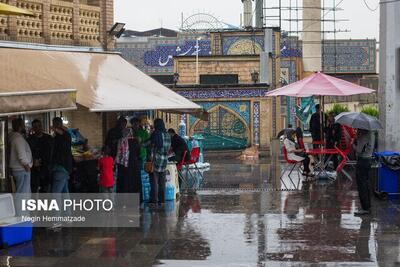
pixel 23 102
pixel 104 81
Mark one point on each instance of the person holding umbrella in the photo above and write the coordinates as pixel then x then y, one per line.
pixel 364 147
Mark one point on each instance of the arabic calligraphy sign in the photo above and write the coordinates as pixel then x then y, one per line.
pixel 162 55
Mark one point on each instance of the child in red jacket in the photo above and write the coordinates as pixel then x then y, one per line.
pixel 106 171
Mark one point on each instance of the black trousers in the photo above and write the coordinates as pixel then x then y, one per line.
pixel 40 181
pixel 316 137
pixel 363 185
pixel 306 161
pixel 157 194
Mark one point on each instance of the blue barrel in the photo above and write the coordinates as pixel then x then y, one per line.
pixel 388 179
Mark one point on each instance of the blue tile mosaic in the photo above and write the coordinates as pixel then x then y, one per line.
pixel 155 55
pixel 223 93
pixel 256 122
pixel 242 108
pixel 162 55
pixel 354 56
pixel 229 42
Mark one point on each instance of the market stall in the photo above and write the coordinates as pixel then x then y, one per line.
pixel 105 85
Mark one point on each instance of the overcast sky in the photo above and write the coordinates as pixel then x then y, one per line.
pixel 149 14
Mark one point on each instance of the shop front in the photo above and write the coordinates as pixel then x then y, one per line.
pixel 106 85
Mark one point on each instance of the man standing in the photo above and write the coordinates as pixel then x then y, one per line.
pixel 160 143
pixel 365 145
pixel 20 157
pixel 315 125
pixel 41 146
pixel 61 157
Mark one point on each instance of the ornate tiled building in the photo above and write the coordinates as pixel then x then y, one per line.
pixel 59 22
pixel 239 113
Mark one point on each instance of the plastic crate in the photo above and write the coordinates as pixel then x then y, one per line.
pixel 146 187
pixel 13 230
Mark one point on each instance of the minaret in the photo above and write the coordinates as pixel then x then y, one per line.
pixel 247 13
pixel 312 50
pixel 259 13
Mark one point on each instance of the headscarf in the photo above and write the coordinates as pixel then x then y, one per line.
pixel 159 129
pixel 299 133
pixel 289 135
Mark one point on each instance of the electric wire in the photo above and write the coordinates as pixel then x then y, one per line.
pixel 369 7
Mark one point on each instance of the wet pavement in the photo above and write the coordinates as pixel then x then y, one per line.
pixel 243 215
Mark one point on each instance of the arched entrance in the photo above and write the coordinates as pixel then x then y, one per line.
pixel 225 130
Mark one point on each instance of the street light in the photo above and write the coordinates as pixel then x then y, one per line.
pixel 116 31
pixel 176 78
pixel 197 59
pixel 254 76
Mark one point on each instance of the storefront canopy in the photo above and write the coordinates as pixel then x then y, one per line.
pixel 104 81
pixel 20 101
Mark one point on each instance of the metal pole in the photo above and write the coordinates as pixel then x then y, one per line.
pixel 197 60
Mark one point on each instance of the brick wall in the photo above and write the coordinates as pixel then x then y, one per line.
pixel 243 66
pixel 90 124
pixel 57 22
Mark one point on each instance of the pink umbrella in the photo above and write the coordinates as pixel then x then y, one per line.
pixel 322 85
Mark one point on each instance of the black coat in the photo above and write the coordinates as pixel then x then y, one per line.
pixel 315 125
pixel 179 147
pixel 41 148
pixel 62 154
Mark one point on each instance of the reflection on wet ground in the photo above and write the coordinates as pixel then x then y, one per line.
pixel 234 221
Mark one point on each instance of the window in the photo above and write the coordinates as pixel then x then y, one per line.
pixel 219 79
pixel 164 79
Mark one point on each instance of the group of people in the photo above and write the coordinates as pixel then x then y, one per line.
pixel 324 130
pixel 127 149
pixel 322 127
pixel 40 162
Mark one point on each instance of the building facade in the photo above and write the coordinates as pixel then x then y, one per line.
pixel 60 22
pixel 229 89
pixel 64 24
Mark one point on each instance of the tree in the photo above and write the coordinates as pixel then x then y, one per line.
pixel 337 109
pixel 370 110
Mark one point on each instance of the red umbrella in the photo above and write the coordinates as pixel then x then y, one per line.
pixel 320 84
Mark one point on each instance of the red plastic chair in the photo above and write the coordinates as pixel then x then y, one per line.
pixel 301 143
pixel 345 149
pixel 296 166
pixel 194 159
pixel 179 167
